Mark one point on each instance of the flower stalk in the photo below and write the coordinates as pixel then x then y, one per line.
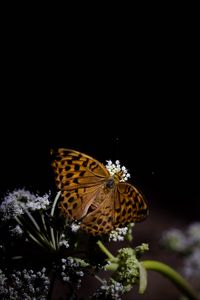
pixel 52 214
pixel 173 276
pixel 106 251
pixel 157 266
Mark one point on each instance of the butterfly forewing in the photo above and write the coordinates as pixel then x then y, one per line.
pixel 73 169
pixel 79 177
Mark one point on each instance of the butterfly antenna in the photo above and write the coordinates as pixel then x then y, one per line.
pixel 117 149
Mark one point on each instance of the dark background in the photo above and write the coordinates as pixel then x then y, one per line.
pixel 125 95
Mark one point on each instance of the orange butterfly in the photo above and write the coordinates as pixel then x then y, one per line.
pixel 95 196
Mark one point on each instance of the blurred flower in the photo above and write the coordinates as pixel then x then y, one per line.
pixel 174 239
pixel 193 233
pixel 187 243
pixel 191 266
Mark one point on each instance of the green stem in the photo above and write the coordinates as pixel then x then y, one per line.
pixel 32 219
pixel 54 203
pixel 105 250
pixel 112 267
pixel 174 276
pixel 34 235
pixel 52 214
pixel 36 240
pixel 99 279
pixel 53 237
pixel 43 222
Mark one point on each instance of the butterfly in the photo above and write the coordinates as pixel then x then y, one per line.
pixel 94 196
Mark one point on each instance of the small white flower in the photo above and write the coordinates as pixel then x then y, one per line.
pixel 75 226
pixel 65 278
pixel 63 267
pixel 118 234
pixel 113 289
pixel 17 230
pixel 80 273
pixel 70 261
pixel 64 243
pixel 115 168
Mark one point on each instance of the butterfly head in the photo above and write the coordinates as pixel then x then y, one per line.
pixel 114 179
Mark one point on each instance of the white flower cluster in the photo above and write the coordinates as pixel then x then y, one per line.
pixel 185 242
pixel 114 168
pixel 191 267
pixel 112 289
pixel 16 231
pixel 181 241
pixel 193 232
pixel 174 239
pixel 75 226
pixel 25 284
pixel 4 289
pixel 118 234
pixel 63 241
pixel 15 202
pixel 38 203
pixel 71 269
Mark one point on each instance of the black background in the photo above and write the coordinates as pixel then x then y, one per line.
pixel 110 96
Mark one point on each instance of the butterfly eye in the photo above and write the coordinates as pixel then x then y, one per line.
pixel 110 183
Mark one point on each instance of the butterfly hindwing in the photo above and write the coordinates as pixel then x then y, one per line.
pixel 101 220
pixel 75 203
pixel 130 204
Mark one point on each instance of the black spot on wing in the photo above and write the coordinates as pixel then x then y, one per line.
pixel 76 167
